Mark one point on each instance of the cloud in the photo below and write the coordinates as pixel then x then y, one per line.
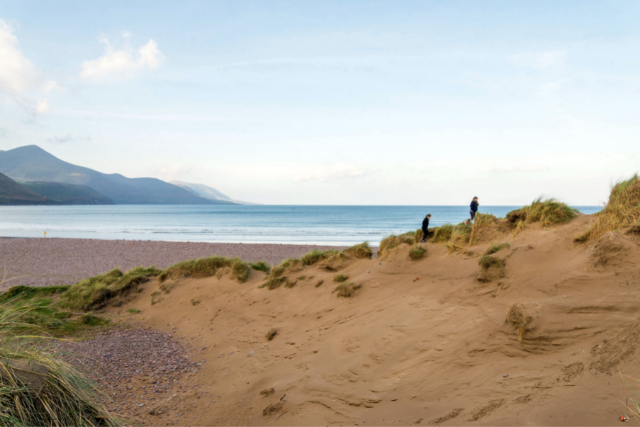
pixel 63 139
pixel 20 80
pixel 340 170
pixel 539 60
pixel 122 62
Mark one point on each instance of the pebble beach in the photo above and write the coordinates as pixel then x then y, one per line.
pixel 54 261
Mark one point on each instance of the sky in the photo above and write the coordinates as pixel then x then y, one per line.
pixel 332 102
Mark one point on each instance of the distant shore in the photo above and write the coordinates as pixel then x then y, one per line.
pixel 55 261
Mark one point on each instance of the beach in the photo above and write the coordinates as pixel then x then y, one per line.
pixel 48 262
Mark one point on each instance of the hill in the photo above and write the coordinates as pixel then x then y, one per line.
pixel 12 193
pixel 68 194
pixel 31 163
pixel 208 192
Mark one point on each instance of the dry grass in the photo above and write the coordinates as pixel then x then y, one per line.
pixel 622 210
pixel 347 290
pixel 496 247
pixel 361 251
pixel 417 252
pixel 207 267
pixel 392 242
pixel 38 390
pixel 492 267
pixel 320 282
pixel 519 321
pixel 483 224
pixel 315 256
pixel 339 278
pixel 546 212
pixel 98 291
pixel 442 234
pixel 274 283
pixel 460 235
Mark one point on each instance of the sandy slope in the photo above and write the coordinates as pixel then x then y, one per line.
pixel 405 351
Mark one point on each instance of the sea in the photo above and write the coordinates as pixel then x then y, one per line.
pixel 321 225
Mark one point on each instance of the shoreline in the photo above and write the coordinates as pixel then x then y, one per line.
pixel 64 261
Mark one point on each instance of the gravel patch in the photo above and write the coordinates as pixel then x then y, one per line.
pixel 136 368
pixel 47 262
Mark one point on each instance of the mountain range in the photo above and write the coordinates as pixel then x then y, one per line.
pixel 40 174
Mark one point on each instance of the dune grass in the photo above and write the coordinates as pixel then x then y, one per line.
pixel 339 278
pixel 489 264
pixel 547 212
pixel 261 266
pixel 96 292
pixel 393 241
pixel 622 210
pixel 416 252
pixel 43 313
pixel 496 247
pixel 38 390
pixel 360 251
pixel 347 290
pixel 459 238
pixel 442 234
pixel 206 267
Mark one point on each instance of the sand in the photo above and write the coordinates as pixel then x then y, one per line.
pixel 421 343
pixel 47 262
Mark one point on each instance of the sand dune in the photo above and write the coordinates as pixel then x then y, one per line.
pixel 421 342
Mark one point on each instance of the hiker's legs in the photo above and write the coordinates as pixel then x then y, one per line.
pixel 425 233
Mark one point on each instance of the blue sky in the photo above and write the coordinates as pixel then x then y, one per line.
pixel 332 102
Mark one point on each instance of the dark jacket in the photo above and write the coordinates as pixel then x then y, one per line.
pixel 474 206
pixel 425 223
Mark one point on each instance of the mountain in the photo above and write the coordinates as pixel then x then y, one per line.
pixel 32 163
pixel 68 194
pixel 208 192
pixel 12 193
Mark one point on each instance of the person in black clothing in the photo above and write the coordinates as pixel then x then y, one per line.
pixel 474 208
pixel 425 228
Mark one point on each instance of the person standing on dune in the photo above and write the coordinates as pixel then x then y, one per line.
pixel 425 228
pixel 474 208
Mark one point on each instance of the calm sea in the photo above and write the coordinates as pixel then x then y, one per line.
pixel 323 225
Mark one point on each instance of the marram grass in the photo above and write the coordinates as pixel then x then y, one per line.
pixel 36 389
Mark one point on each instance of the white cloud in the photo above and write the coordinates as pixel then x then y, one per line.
pixel 62 139
pixel 340 170
pixel 20 80
pixel 123 61
pixel 42 106
pixel 539 60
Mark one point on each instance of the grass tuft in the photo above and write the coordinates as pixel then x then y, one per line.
pixel 347 290
pixel 392 242
pixel 546 212
pixel 339 278
pixel 261 266
pixel 207 267
pixel 496 247
pixel 360 251
pixel 622 210
pixel 95 292
pixel 442 234
pixel 416 252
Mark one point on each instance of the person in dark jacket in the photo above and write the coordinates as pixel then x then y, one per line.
pixel 425 227
pixel 473 209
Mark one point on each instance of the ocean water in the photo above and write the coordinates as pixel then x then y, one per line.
pixel 322 225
